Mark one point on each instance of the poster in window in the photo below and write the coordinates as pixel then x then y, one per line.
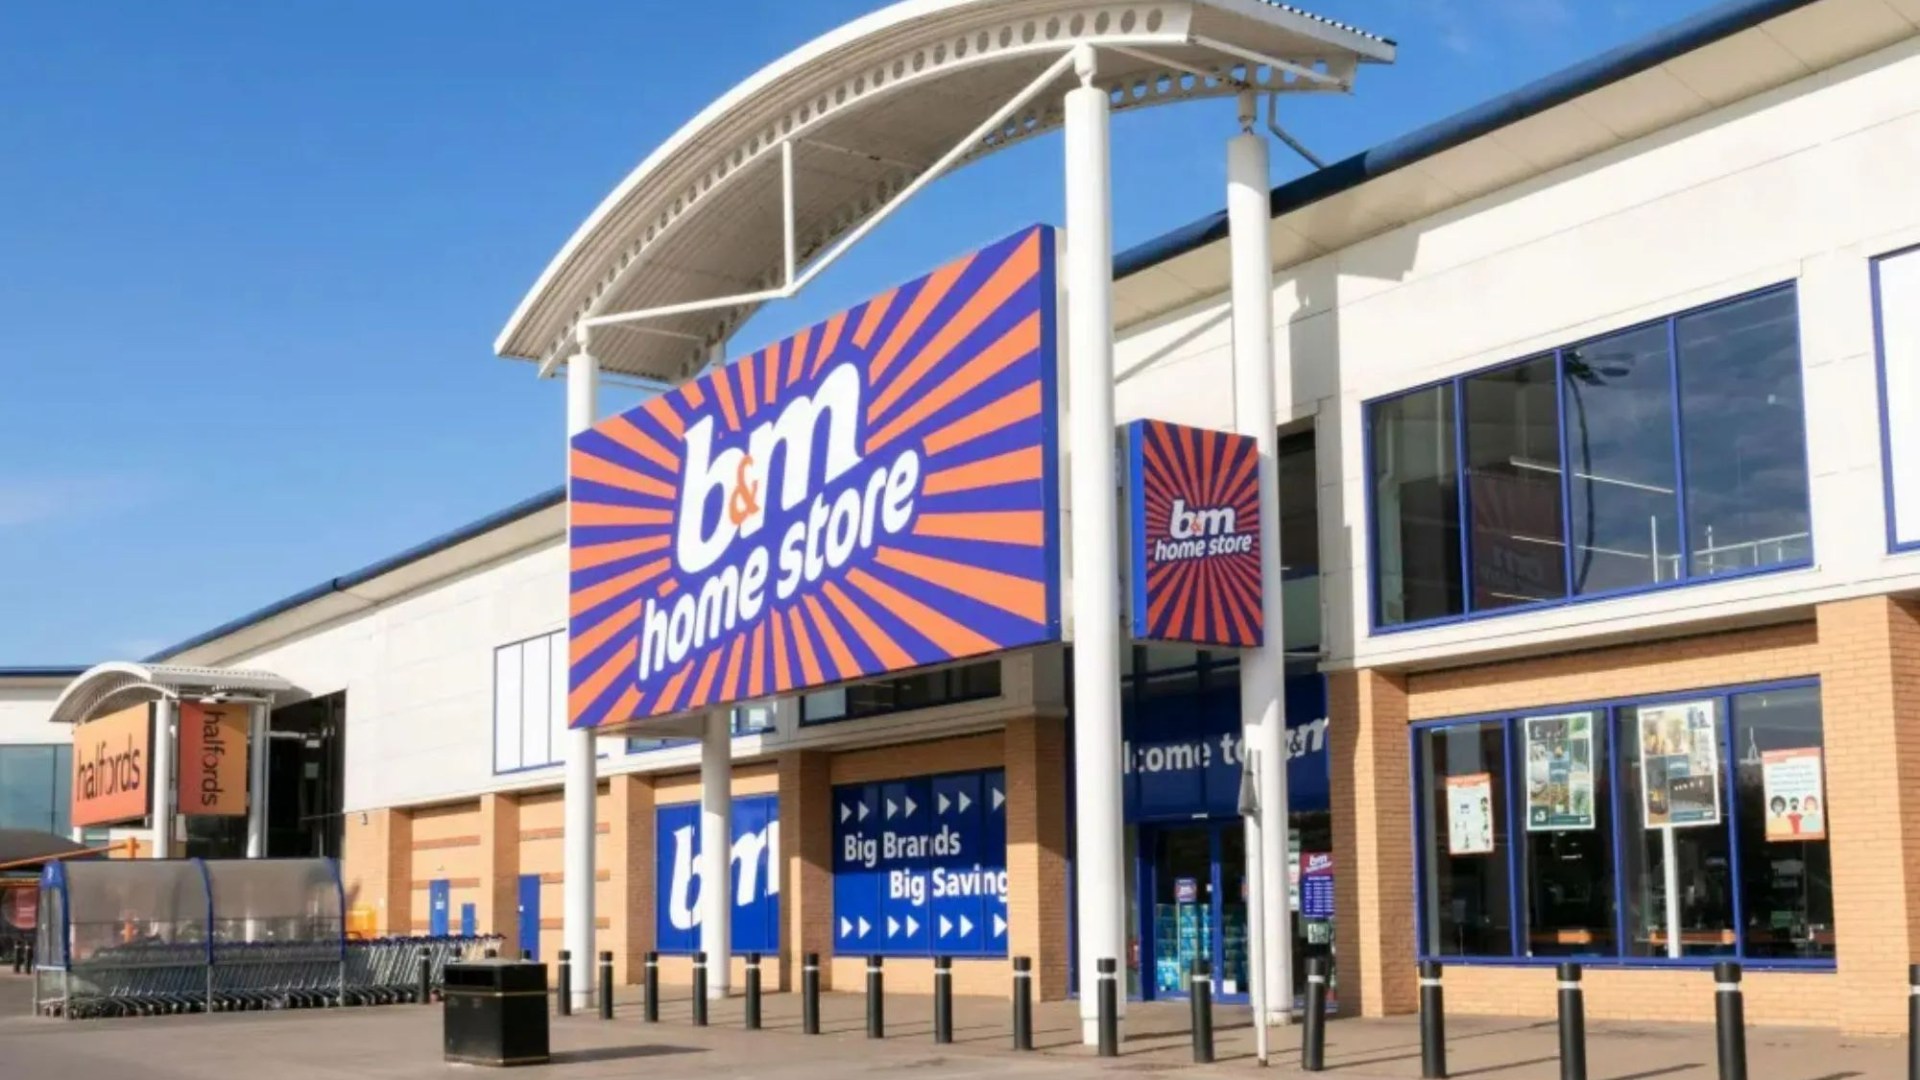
pixel 1680 764
pixel 1470 814
pixel 1559 772
pixel 1796 800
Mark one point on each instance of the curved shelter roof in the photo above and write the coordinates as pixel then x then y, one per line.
pixel 834 130
pixel 120 682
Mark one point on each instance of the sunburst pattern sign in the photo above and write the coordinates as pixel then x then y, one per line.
pixel 877 493
pixel 1194 505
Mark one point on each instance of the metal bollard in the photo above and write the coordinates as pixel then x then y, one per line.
pixel 876 1005
pixel 1573 1024
pixel 943 999
pixel 700 989
pixel 1433 1023
pixel 652 989
pixel 1313 1034
pixel 19 956
pixel 1913 1022
pixel 1023 1003
pixel 1109 1006
pixel 492 953
pixel 810 995
pixel 425 989
pixel 753 992
pixel 606 985
pixel 526 956
pixel 1730 1020
pixel 565 976
pixel 1200 994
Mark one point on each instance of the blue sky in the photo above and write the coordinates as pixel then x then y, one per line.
pixel 253 257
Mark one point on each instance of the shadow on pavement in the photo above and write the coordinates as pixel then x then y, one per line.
pixel 621 1053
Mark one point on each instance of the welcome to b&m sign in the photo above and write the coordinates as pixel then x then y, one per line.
pixel 878 492
pixel 1194 501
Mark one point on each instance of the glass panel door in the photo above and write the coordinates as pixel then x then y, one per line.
pixel 1183 915
pixel 1232 978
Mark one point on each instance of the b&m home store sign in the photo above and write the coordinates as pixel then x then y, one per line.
pixel 876 493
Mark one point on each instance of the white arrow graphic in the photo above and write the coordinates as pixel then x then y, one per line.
pixel 844 813
pixel 946 926
pixel 846 927
pixel 864 926
pixel 893 926
pixel 966 926
pixel 942 808
pixel 998 798
pixel 913 926
pixel 892 808
pixel 864 811
pixel 964 802
pixel 910 807
pixel 999 926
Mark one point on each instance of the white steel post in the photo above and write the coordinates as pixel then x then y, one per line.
pixel 257 750
pixel 1263 715
pixel 582 784
pixel 162 778
pixel 1098 850
pixel 716 850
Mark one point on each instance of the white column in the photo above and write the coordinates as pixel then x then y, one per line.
pixel 580 821
pixel 1262 671
pixel 162 778
pixel 1100 895
pixel 257 751
pixel 716 849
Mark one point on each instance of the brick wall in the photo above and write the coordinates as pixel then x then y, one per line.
pixel 1036 756
pixel 499 852
pixel 376 866
pixel 1372 840
pixel 806 857
pixel 630 874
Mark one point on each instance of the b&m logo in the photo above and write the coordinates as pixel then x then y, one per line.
pixel 1194 501
pixel 876 493
pixel 679 883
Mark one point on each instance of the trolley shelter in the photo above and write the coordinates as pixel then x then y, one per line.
pixel 902 485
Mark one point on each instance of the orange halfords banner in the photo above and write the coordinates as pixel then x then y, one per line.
pixel 213 760
pixel 110 767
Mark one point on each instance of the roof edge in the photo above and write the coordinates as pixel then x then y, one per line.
pixel 1695 32
pixel 42 671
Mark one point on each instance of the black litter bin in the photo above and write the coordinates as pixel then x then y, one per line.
pixel 496 1012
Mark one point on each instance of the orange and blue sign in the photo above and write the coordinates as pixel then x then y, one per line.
pixel 1194 502
pixel 877 493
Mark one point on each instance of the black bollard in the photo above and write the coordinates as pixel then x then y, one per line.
pixel 699 989
pixel 753 991
pixel 652 988
pixel 606 985
pixel 810 995
pixel 1573 1024
pixel 1023 1003
pixel 1313 1034
pixel 1109 1006
pixel 1433 1023
pixel 526 956
pixel 1200 994
pixel 943 999
pixel 492 953
pixel 19 957
pixel 1913 1022
pixel 1730 1020
pixel 876 1006
pixel 565 976
pixel 425 989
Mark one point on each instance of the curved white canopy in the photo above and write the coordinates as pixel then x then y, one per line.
pixel 120 682
pixel 727 213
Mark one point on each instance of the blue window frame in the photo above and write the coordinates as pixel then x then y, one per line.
pixel 1660 455
pixel 745 720
pixel 902 693
pixel 1896 334
pixel 1521 859
pixel 529 703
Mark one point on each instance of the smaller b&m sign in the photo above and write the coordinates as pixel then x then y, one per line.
pixel 1194 510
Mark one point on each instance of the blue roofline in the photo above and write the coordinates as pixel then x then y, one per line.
pixel 525 508
pixel 42 671
pixel 1715 23
pixel 1720 21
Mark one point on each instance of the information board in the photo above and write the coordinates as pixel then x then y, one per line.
pixel 755 873
pixel 920 866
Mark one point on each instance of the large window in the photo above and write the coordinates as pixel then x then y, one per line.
pixel 922 690
pixel 36 788
pixel 1681 828
pixel 1661 454
pixel 750 719
pixel 529 702
pixel 1896 296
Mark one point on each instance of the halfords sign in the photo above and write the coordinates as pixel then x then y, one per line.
pixel 111 771
pixel 1194 502
pixel 876 493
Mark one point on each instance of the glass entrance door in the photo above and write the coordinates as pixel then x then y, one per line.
pixel 1193 880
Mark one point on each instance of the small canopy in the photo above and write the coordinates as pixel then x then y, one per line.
pixel 798 157
pixel 115 684
pixel 23 847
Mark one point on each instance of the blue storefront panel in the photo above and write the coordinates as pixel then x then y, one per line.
pixel 755 873
pixel 920 866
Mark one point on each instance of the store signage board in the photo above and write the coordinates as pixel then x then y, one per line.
pixel 920 866
pixel 1470 814
pixel 1792 784
pixel 1680 764
pixel 877 493
pixel 212 771
pixel 112 767
pixel 1559 772
pixel 755 875
pixel 1193 511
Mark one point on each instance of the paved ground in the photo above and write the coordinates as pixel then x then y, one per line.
pixel 404 1042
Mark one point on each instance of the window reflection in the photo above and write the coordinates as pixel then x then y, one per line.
pixel 1518 545
pixel 1416 507
pixel 1625 498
